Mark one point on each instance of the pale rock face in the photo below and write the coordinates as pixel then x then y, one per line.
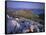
pixel 27 30
pixel 14 22
pixel 7 16
pixel 11 24
pixel 32 27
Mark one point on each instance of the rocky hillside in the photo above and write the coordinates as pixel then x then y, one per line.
pixel 23 25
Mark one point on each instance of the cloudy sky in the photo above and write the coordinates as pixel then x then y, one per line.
pixel 27 5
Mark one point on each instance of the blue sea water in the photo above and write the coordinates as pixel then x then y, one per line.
pixel 38 11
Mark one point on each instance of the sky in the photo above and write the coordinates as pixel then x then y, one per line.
pixel 26 5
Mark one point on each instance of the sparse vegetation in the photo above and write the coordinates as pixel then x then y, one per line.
pixel 23 13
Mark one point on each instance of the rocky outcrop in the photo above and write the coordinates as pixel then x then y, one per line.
pixel 23 25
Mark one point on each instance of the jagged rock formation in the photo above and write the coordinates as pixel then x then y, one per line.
pixel 23 25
